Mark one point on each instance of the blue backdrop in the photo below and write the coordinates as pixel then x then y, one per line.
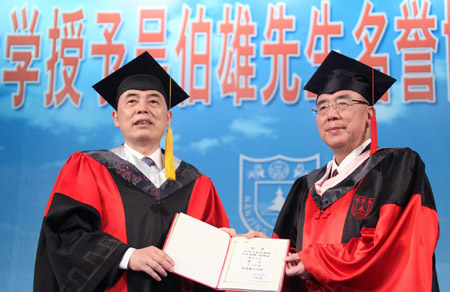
pixel 248 125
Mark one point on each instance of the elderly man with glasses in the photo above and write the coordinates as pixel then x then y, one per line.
pixel 367 220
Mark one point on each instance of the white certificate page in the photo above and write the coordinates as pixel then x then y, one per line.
pixel 254 264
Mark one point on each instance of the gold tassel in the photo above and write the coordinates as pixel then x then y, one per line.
pixel 168 156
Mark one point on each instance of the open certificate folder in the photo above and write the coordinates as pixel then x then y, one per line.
pixel 208 255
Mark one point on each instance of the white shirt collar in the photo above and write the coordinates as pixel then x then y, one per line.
pixel 155 156
pixel 350 157
pixel 327 182
pixel 156 175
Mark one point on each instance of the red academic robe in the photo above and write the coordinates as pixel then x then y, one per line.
pixel 99 207
pixel 374 231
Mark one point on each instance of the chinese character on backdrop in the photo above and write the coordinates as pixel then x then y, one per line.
pixel 22 48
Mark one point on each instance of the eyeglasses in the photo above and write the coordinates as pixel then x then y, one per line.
pixel 340 105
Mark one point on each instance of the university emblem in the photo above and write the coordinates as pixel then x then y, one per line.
pixel 264 184
pixel 362 206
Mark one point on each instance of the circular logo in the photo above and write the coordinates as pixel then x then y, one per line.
pixel 278 170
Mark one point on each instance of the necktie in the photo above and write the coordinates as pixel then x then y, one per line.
pixel 148 161
pixel 335 172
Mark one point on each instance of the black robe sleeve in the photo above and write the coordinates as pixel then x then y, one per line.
pixel 74 251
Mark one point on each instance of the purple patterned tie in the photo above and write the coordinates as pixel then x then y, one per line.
pixel 148 161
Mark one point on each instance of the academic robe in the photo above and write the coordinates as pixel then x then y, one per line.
pixel 376 230
pixel 99 207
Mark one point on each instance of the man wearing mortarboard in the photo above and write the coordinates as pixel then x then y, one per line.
pixel 110 210
pixel 367 220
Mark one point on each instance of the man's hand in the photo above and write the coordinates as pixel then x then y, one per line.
pixel 250 234
pixel 254 233
pixel 230 231
pixel 295 267
pixel 152 261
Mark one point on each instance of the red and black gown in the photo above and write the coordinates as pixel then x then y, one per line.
pixel 376 230
pixel 99 207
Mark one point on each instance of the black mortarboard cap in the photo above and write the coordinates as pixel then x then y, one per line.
pixel 141 73
pixel 339 72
